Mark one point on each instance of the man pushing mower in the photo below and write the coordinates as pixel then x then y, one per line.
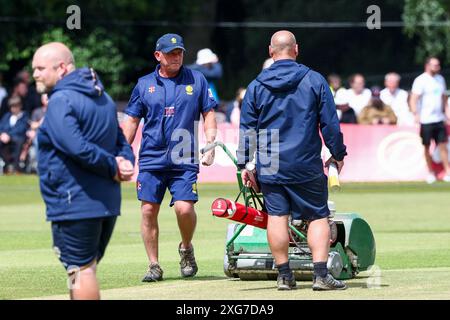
pixel 281 114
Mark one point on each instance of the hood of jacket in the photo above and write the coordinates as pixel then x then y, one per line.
pixel 282 75
pixel 83 80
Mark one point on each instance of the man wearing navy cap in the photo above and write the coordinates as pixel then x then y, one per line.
pixel 170 100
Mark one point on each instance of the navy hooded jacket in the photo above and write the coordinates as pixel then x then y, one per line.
pixel 282 111
pixel 78 142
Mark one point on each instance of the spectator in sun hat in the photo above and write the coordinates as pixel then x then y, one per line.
pixel 346 114
pixel 208 64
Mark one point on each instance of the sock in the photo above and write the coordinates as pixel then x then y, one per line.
pixel 284 269
pixel 320 269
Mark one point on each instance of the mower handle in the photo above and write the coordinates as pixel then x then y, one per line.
pixel 211 146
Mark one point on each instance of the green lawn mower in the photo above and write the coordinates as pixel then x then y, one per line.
pixel 247 253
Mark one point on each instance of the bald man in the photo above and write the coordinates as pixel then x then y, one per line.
pixel 83 156
pixel 281 110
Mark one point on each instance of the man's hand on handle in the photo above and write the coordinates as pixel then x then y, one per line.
pixel 339 164
pixel 245 176
pixel 208 158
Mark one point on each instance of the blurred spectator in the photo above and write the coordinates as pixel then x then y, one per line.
pixel 345 113
pixel 429 103
pixel 376 112
pixel 28 155
pixel 234 107
pixel 32 99
pixel 397 99
pixel 359 95
pixel 3 93
pixel 208 63
pixel 13 127
pixel 267 63
pixel 375 91
pixel 20 89
pixel 335 83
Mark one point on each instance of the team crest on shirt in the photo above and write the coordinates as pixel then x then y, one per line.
pixel 194 188
pixel 189 90
pixel 169 111
pixel 151 89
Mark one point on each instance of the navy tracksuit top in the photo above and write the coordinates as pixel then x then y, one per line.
pixel 292 103
pixel 78 142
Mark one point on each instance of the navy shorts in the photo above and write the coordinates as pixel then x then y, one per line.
pixel 151 186
pixel 433 131
pixel 79 243
pixel 305 201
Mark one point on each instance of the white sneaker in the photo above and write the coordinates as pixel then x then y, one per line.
pixel 446 178
pixel 431 178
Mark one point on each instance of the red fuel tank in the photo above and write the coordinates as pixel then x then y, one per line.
pixel 225 208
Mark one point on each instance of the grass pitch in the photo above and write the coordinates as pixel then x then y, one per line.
pixel 410 221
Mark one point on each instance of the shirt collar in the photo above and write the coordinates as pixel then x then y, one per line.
pixel 177 78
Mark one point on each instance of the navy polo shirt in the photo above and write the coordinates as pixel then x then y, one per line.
pixel 171 109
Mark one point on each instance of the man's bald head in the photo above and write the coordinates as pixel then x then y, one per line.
pixel 56 52
pixel 283 45
pixel 51 62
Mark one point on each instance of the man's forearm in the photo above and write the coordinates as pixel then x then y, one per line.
pixel 413 104
pixel 130 128
pixel 444 102
pixel 210 126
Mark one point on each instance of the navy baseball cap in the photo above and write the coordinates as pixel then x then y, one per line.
pixel 169 42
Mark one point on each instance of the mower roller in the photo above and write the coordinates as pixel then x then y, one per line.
pixel 247 253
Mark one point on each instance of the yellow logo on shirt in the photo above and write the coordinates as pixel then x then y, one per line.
pixel 173 40
pixel 189 90
pixel 194 188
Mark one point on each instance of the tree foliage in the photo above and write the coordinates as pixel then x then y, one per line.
pixel 96 50
pixel 117 37
pixel 429 21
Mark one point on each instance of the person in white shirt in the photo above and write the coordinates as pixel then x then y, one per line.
pixel 397 99
pixel 429 103
pixel 345 113
pixel 13 126
pixel 358 94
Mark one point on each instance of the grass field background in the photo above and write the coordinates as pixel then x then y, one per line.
pixel 410 221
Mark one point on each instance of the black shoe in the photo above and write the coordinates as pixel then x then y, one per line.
pixel 154 273
pixel 328 283
pixel 286 282
pixel 188 265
